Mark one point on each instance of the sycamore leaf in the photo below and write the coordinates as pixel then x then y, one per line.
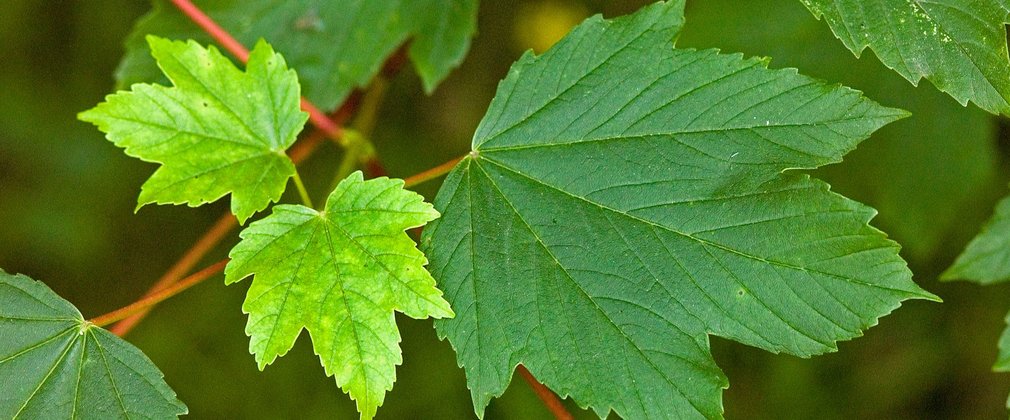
pixel 959 45
pixel 339 273
pixel 624 199
pixel 56 365
pixel 217 131
pixel 334 45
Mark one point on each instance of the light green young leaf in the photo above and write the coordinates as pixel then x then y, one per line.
pixel 339 273
pixel 56 365
pixel 958 45
pixel 624 199
pixel 217 131
pixel 334 45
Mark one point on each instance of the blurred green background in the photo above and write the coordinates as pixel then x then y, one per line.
pixel 67 198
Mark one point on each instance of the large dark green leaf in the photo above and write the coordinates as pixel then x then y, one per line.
pixel 624 199
pixel 959 45
pixel 334 45
pixel 56 365
pixel 905 169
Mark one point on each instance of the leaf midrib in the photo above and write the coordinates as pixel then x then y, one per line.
pixel 622 136
pixel 335 224
pixel 589 297
pixel 691 237
pixel 57 363
pixel 238 74
pixel 822 342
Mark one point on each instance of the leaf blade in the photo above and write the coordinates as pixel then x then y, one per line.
pixel 335 47
pixel 49 372
pixel 986 260
pixel 614 212
pixel 340 274
pixel 960 47
pixel 218 131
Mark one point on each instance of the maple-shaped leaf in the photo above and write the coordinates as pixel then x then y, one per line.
pixel 335 45
pixel 217 131
pixel 339 273
pixel 625 199
pixel 56 365
pixel 959 45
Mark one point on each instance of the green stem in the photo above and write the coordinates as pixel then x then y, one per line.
pixel 368 112
pixel 347 165
pixel 359 150
pixel 306 200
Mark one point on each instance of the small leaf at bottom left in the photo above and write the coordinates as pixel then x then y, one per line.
pixel 55 364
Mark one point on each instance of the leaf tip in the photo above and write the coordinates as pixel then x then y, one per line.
pixel 154 40
pixel 140 204
pixel 231 273
pixel 88 115
pixel 262 358
pixel 923 294
pixel 158 45
pixel 262 44
pixel 952 273
pixel 898 113
pixel 442 310
pixel 241 215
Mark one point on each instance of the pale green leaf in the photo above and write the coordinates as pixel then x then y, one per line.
pixel 217 131
pixel 624 199
pixel 339 273
pixel 56 365
pixel 334 45
pixel 959 45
